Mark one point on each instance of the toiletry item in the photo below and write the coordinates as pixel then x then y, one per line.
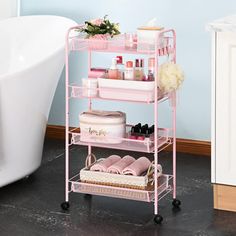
pixel 146 36
pixel 89 87
pixel 144 129
pixel 138 71
pixel 152 129
pixel 132 137
pixel 151 68
pixel 130 41
pixel 113 72
pixel 141 68
pixel 140 137
pixel 145 78
pixel 120 66
pixel 137 128
pixel 132 129
pixel 96 72
pixel 129 71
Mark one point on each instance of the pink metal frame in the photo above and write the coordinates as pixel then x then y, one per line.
pixel 73 44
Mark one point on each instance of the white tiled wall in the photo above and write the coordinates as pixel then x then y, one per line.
pixel 8 8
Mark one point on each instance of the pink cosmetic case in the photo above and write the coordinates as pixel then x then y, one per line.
pixel 102 126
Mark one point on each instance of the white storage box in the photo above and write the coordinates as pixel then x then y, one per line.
pixel 146 38
pixel 102 126
pixel 142 91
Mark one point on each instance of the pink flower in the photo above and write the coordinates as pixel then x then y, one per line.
pixel 97 22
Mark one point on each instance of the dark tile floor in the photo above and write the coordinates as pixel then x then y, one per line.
pixel 32 206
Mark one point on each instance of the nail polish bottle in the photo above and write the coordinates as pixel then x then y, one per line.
pixel 139 125
pixel 144 129
pixel 141 137
pixel 132 133
pixel 152 129
pixel 138 128
pixel 147 135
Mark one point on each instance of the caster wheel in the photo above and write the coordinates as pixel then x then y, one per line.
pixel 65 206
pixel 176 203
pixel 158 219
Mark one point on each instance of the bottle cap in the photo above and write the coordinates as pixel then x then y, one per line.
pixel 141 64
pixel 129 64
pixel 152 129
pixel 132 129
pixel 119 59
pixel 114 64
pixel 139 125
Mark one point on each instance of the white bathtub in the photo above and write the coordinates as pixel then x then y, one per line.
pixel 31 61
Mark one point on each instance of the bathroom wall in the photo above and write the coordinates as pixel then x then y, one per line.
pixel 8 8
pixel 188 17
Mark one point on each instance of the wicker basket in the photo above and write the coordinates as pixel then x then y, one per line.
pixel 144 182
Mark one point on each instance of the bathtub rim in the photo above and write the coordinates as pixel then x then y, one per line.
pixel 57 50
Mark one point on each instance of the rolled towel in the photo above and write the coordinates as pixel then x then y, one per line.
pixel 120 165
pixel 137 167
pixel 102 166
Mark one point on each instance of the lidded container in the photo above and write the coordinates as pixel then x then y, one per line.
pixel 102 126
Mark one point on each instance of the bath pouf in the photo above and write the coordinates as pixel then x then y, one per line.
pixel 171 76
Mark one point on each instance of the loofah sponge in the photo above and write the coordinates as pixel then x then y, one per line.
pixel 170 76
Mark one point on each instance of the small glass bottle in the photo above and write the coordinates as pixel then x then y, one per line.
pixel 120 66
pixel 138 71
pixel 151 68
pixel 129 71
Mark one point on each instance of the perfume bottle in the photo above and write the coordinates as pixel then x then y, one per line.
pixel 138 71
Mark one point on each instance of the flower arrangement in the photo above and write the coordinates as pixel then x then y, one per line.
pixel 170 76
pixel 102 27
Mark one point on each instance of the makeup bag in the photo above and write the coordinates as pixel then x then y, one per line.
pixel 102 126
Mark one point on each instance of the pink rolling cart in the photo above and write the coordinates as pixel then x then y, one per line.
pixel 162 138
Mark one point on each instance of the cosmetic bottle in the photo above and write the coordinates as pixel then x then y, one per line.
pixel 113 72
pixel 152 129
pixel 120 66
pixel 129 71
pixel 138 71
pixel 151 68
pixel 144 129
pixel 132 133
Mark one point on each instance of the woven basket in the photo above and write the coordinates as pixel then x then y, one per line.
pixel 144 182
